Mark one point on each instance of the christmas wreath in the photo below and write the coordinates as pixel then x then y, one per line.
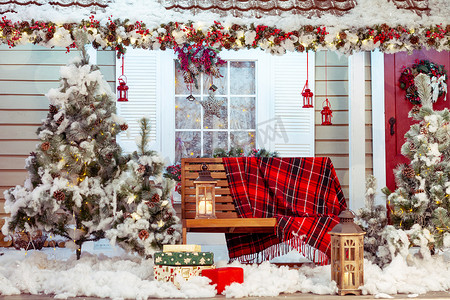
pixel 438 78
pixel 193 60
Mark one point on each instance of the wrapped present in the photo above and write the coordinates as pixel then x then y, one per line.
pixel 224 277
pixel 182 248
pixel 184 258
pixel 168 273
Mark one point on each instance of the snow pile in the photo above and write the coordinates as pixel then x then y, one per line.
pixel 125 276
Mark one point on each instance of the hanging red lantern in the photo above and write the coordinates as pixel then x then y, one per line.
pixel 326 112
pixel 122 89
pixel 306 92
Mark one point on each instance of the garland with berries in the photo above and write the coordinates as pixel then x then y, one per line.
pixel 116 34
pixel 438 79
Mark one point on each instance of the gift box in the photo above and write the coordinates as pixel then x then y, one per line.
pixel 168 273
pixel 224 277
pixel 182 248
pixel 184 258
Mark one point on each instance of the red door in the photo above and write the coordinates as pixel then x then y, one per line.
pixel 397 107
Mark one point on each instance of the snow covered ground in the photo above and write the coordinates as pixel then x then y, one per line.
pixel 108 272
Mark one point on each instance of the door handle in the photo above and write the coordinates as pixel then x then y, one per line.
pixel 392 122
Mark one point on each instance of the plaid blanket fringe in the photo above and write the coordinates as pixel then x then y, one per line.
pixel 303 194
pixel 310 253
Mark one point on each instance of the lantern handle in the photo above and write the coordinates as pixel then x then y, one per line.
pixel 327 103
pixel 120 79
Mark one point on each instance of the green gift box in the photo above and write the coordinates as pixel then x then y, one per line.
pixel 184 258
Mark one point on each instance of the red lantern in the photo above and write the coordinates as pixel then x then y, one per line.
pixel 122 89
pixel 326 112
pixel 307 97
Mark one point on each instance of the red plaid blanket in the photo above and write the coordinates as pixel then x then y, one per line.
pixel 304 195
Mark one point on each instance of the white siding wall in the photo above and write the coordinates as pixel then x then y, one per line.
pixel 26 75
pixel 333 140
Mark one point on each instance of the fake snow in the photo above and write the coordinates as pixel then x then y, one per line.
pixel 119 275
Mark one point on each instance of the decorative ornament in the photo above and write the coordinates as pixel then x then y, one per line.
pixel 45 146
pixel 190 98
pixel 59 195
pixel 109 156
pixel 53 110
pixel 195 59
pixel 306 92
pixel 170 231
pixel 122 89
pixel 408 172
pixel 326 112
pixel 24 240
pixel 438 78
pixel 211 106
pixel 124 127
pixel 167 216
pixel 143 234
pixel 150 204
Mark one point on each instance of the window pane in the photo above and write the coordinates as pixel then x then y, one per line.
pixel 242 113
pixel 213 121
pixel 187 114
pixel 220 83
pixel 243 139
pixel 213 140
pixel 180 85
pixel 187 144
pixel 242 77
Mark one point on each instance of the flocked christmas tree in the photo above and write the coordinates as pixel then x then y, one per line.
pixel 76 166
pixel 423 185
pixel 145 219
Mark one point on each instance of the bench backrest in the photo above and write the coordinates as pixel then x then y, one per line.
pixel 189 172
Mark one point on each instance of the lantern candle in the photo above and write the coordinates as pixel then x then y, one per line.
pixel 202 207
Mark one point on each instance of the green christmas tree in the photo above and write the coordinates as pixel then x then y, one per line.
pixel 145 219
pixel 423 185
pixel 74 171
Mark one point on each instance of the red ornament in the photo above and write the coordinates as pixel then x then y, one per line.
pixel 326 112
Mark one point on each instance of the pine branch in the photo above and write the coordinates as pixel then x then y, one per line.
pixel 423 85
pixel 145 135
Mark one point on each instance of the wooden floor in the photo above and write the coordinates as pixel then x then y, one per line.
pixel 432 295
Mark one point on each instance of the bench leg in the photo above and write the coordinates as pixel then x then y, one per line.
pixel 184 235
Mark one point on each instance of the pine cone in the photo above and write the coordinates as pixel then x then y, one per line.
pixel 141 169
pixel 53 110
pixel 156 198
pixel 187 76
pixel 408 172
pixel 109 156
pixel 150 204
pixel 170 231
pixel 424 130
pixel 415 109
pixel 124 127
pixel 167 216
pixel 60 120
pixel 97 122
pixel 92 106
pixel 143 234
pixel 45 146
pixel 59 195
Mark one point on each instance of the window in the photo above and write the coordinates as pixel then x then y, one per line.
pixel 259 98
pixel 199 131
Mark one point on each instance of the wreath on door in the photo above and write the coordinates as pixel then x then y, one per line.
pixel 438 79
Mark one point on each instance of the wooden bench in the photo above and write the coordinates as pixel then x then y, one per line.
pixel 227 219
